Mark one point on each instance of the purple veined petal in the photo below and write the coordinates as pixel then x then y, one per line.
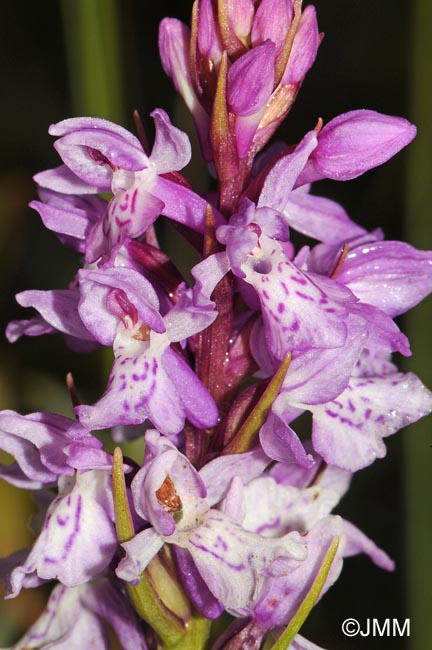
pixel 108 602
pixel 320 218
pixel 280 180
pixel 140 550
pixel 230 559
pixel 183 205
pixel 92 154
pixel 318 376
pixel 304 48
pixel 171 150
pixel 273 509
pixel 64 624
pixel 78 539
pixel 29 327
pixel 354 142
pixel 128 215
pixel 250 80
pixel 70 217
pixel 198 404
pixel 59 308
pixel 405 272
pixel 358 542
pixel 73 124
pixel 348 431
pixel 272 20
pixel 28 467
pixel 196 589
pixel 64 181
pixel 98 313
pixel 272 607
pixel 281 443
pixel 218 474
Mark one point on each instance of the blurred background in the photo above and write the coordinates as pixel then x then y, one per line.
pixel 99 57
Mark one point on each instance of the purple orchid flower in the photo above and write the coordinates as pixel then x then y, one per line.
pixel 76 617
pixel 77 540
pixel 107 158
pixel 47 446
pixel 149 379
pixel 171 495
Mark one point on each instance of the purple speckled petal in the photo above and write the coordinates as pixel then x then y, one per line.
pixel 138 389
pixel 199 406
pixel 300 311
pixel 171 149
pixel 318 376
pixel 59 308
pixel 64 624
pixel 78 538
pixel 273 509
pixel 348 431
pixel 128 215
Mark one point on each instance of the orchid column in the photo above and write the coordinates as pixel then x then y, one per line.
pixel 230 510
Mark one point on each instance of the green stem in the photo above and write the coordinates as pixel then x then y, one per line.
pixel 94 57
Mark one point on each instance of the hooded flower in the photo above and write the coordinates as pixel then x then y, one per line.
pixel 171 495
pixel 105 157
pixel 149 379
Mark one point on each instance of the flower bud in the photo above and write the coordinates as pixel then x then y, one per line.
pixel 354 142
pixel 272 20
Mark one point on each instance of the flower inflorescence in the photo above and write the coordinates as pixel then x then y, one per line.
pixel 230 509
